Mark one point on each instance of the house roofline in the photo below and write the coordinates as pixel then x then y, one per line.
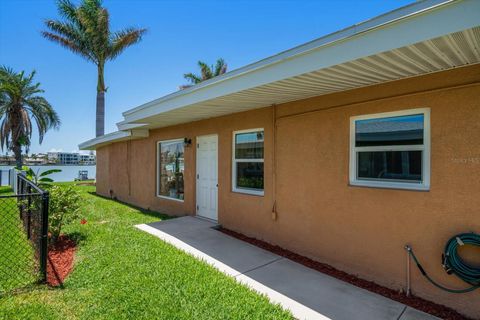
pixel 343 34
pixel 414 23
pixel 94 143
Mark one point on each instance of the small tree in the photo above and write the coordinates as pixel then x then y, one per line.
pixel 64 208
pixel 41 179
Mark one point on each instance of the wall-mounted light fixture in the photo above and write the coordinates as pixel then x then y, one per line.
pixel 187 142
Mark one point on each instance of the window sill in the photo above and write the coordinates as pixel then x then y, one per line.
pixel 249 192
pixel 390 185
pixel 170 198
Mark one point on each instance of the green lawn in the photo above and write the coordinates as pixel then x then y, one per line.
pixel 123 273
pixel 17 264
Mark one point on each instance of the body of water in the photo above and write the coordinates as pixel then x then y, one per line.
pixel 69 173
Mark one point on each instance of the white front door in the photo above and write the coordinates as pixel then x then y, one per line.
pixel 207 177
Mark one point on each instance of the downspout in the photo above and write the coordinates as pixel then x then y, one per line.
pixel 274 162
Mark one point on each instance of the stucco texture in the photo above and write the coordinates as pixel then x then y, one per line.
pixel 356 229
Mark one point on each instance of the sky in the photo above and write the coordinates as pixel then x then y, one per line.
pixel 179 34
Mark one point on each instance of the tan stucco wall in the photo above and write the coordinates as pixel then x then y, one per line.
pixel 356 229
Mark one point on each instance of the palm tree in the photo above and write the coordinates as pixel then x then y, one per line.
pixel 85 30
pixel 206 72
pixel 20 102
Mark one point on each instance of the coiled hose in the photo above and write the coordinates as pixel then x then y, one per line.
pixel 453 263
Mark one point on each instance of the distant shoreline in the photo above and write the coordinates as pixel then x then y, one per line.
pixel 51 164
pixel 63 173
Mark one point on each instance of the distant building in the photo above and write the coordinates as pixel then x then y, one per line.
pixel 52 157
pixel 7 159
pixel 36 159
pixel 68 158
pixel 71 158
pixel 88 159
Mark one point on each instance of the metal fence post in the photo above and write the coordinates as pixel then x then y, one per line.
pixel 18 192
pixel 29 212
pixel 44 237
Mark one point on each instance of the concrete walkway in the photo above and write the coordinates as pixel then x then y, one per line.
pixel 308 294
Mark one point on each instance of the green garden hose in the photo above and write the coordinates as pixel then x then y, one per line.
pixel 452 263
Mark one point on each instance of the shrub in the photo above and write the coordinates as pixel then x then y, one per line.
pixel 64 207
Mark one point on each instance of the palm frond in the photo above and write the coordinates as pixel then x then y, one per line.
pixel 123 39
pixel 66 29
pixel 48 172
pixel 88 16
pixel 193 78
pixel 45 116
pixel 205 70
pixel 70 45
pixel 6 71
pixel 220 67
pixel 103 28
pixel 92 4
pixel 67 10
pixel 26 123
pixel 5 133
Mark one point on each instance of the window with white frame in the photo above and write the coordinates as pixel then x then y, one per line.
pixel 391 150
pixel 248 161
pixel 170 163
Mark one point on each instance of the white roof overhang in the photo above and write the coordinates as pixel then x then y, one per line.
pixel 114 137
pixel 421 38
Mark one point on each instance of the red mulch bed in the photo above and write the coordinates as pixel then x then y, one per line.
pixel 412 301
pixel 60 260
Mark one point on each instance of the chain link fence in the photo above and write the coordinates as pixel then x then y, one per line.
pixel 23 235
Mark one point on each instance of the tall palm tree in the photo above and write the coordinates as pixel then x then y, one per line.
pixel 206 72
pixel 85 30
pixel 20 102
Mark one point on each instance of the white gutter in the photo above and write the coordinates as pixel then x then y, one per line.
pixel 113 137
pixel 414 23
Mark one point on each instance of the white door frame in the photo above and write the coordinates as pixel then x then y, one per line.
pixel 214 184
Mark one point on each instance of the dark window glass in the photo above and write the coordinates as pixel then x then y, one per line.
pixel 390 165
pixel 249 145
pixel 250 175
pixel 171 168
pixel 403 130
